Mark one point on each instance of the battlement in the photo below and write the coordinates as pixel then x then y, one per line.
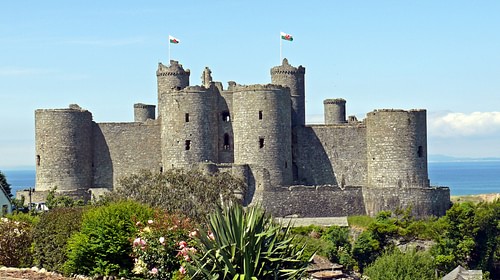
pixel 334 101
pixel 286 68
pixel 258 87
pixel 174 69
pixel 143 106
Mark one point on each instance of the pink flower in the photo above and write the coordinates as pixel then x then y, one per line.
pixel 193 250
pixel 182 270
pixel 154 270
pixel 138 223
pixel 182 244
pixel 193 233
pixel 137 241
pixel 211 236
pixel 162 240
pixel 150 221
pixel 187 258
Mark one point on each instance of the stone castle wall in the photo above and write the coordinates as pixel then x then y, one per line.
pixel 332 154
pixel 115 155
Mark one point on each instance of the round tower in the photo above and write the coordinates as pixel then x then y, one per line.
pixel 143 112
pixel 262 130
pixel 334 111
pixel 63 140
pixel 293 78
pixel 171 77
pixel 189 131
pixel 397 148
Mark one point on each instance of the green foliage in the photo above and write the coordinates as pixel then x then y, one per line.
pixel 15 243
pixel 246 245
pixel 470 237
pixel 339 249
pixel 51 235
pixel 189 192
pixel 411 265
pixel 102 246
pixel 5 185
pixel 28 218
pixel 156 246
pixel 360 221
pixel 366 249
pixel 54 201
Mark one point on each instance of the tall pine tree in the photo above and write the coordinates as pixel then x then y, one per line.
pixel 5 185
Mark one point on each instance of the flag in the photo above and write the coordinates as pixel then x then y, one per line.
pixel 173 40
pixel 286 37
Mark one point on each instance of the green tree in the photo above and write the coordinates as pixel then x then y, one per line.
pixel 191 193
pixel 4 184
pixel 394 264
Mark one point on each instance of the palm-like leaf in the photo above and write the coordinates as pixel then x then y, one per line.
pixel 248 245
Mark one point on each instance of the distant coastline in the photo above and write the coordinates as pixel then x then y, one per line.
pixel 445 158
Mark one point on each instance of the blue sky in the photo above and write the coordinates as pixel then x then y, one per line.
pixel 443 56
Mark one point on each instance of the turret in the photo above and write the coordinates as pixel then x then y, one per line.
pixel 143 112
pixel 63 140
pixel 397 148
pixel 293 78
pixel 334 111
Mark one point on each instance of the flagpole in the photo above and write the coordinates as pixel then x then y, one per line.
pixel 169 50
pixel 281 46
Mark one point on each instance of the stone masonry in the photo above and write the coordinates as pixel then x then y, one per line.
pixel 256 132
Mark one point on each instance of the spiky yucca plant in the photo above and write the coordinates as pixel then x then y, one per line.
pixel 246 244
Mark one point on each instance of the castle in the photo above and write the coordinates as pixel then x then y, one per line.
pixel 257 133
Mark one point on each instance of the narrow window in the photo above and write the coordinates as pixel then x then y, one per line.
pixel 161 169
pixel 260 115
pixel 286 164
pixel 420 151
pixel 187 145
pixel 38 160
pixel 261 142
pixel 226 117
pixel 187 117
pixel 226 142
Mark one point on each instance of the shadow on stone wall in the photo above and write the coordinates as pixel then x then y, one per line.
pixel 102 164
pixel 313 165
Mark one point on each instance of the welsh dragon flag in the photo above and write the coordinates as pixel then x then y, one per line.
pixel 173 40
pixel 286 37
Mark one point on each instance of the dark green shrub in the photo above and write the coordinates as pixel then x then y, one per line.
pixel 366 249
pixel 246 244
pixel 402 266
pixel 103 246
pixel 15 243
pixel 190 192
pixel 51 235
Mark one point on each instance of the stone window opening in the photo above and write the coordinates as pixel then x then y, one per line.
pixel 38 160
pixel 187 117
pixel 226 145
pixel 260 115
pixel 261 142
pixel 187 145
pixel 286 164
pixel 420 151
pixel 226 117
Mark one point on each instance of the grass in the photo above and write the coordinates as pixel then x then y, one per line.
pixel 360 221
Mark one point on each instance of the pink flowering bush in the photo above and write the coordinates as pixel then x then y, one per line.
pixel 15 243
pixel 160 249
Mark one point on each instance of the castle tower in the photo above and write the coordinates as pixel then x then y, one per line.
pixel 397 148
pixel 262 130
pixel 143 112
pixel 63 140
pixel 171 77
pixel 189 133
pixel 334 111
pixel 293 78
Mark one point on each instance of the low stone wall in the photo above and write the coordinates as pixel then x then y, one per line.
pixel 424 202
pixel 313 201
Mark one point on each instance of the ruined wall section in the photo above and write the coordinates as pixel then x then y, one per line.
pixel 189 133
pixel 63 140
pixel 397 148
pixel 262 130
pixel 122 149
pixel 332 154
pixel 225 118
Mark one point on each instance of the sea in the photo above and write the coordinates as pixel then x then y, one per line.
pixel 462 177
